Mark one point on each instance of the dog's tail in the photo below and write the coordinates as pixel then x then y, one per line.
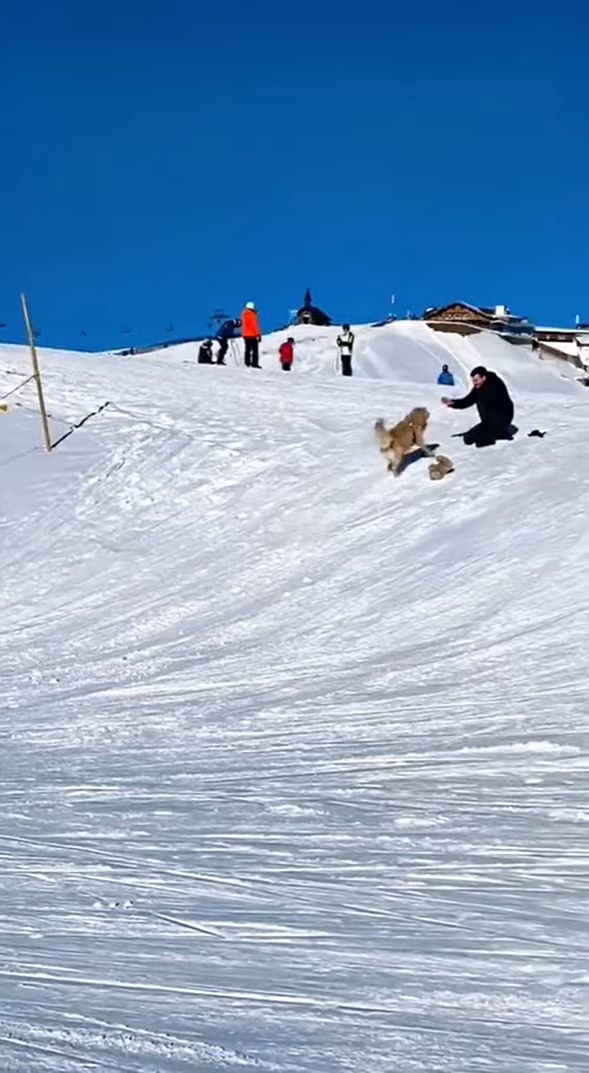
pixel 381 433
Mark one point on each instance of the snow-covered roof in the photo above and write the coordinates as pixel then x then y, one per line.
pixel 561 331
pixel 571 349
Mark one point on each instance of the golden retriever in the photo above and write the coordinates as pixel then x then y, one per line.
pixel 405 437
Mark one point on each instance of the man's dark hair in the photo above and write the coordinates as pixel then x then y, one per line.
pixel 479 370
pixel 445 368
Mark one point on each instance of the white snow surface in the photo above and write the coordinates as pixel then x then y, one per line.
pixel 294 765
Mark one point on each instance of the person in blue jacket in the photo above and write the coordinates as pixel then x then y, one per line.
pixel 225 333
pixel 446 377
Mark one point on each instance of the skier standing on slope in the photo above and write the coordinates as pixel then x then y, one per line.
pixel 286 352
pixel 491 398
pixel 251 335
pixel 224 335
pixel 345 343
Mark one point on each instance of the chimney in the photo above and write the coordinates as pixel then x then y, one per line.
pixel 501 312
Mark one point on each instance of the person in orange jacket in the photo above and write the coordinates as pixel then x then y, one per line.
pixel 251 335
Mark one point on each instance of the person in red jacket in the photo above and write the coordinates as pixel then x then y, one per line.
pixel 286 352
pixel 251 335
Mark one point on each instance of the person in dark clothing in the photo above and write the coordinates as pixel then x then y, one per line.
pixel 205 353
pixel 491 398
pixel 224 335
pixel 345 344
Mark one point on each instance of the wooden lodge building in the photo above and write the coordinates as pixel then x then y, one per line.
pixel 459 317
pixel 568 344
pixel 465 319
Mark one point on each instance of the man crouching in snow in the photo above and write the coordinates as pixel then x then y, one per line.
pixel 491 398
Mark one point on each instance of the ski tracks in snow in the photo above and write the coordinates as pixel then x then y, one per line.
pixel 294 756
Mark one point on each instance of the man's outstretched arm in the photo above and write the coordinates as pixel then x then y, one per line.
pixel 461 404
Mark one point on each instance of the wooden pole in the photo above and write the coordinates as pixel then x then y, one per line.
pixel 36 372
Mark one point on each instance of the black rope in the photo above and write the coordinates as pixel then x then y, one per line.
pixel 79 424
pixel 17 388
pixel 33 410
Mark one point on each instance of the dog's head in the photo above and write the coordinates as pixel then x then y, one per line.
pixel 419 417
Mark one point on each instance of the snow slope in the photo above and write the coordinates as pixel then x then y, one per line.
pixel 294 755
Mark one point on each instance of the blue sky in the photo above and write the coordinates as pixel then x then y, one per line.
pixel 160 160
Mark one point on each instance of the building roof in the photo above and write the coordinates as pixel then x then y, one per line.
pixel 561 331
pixel 570 347
pixel 313 312
pixel 434 311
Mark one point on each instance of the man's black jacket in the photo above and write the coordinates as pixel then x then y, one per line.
pixel 491 400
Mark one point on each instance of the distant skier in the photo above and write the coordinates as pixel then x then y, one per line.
pixel 224 335
pixel 286 353
pixel 205 353
pixel 446 377
pixel 491 397
pixel 251 335
pixel 345 342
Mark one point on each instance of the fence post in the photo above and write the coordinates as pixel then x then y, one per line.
pixel 36 372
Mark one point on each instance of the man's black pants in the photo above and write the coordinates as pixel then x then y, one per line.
pixel 252 353
pixel 346 360
pixel 486 434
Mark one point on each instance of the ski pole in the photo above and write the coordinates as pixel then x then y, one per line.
pixel 234 351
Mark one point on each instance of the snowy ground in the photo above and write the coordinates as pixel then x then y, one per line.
pixel 294 766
